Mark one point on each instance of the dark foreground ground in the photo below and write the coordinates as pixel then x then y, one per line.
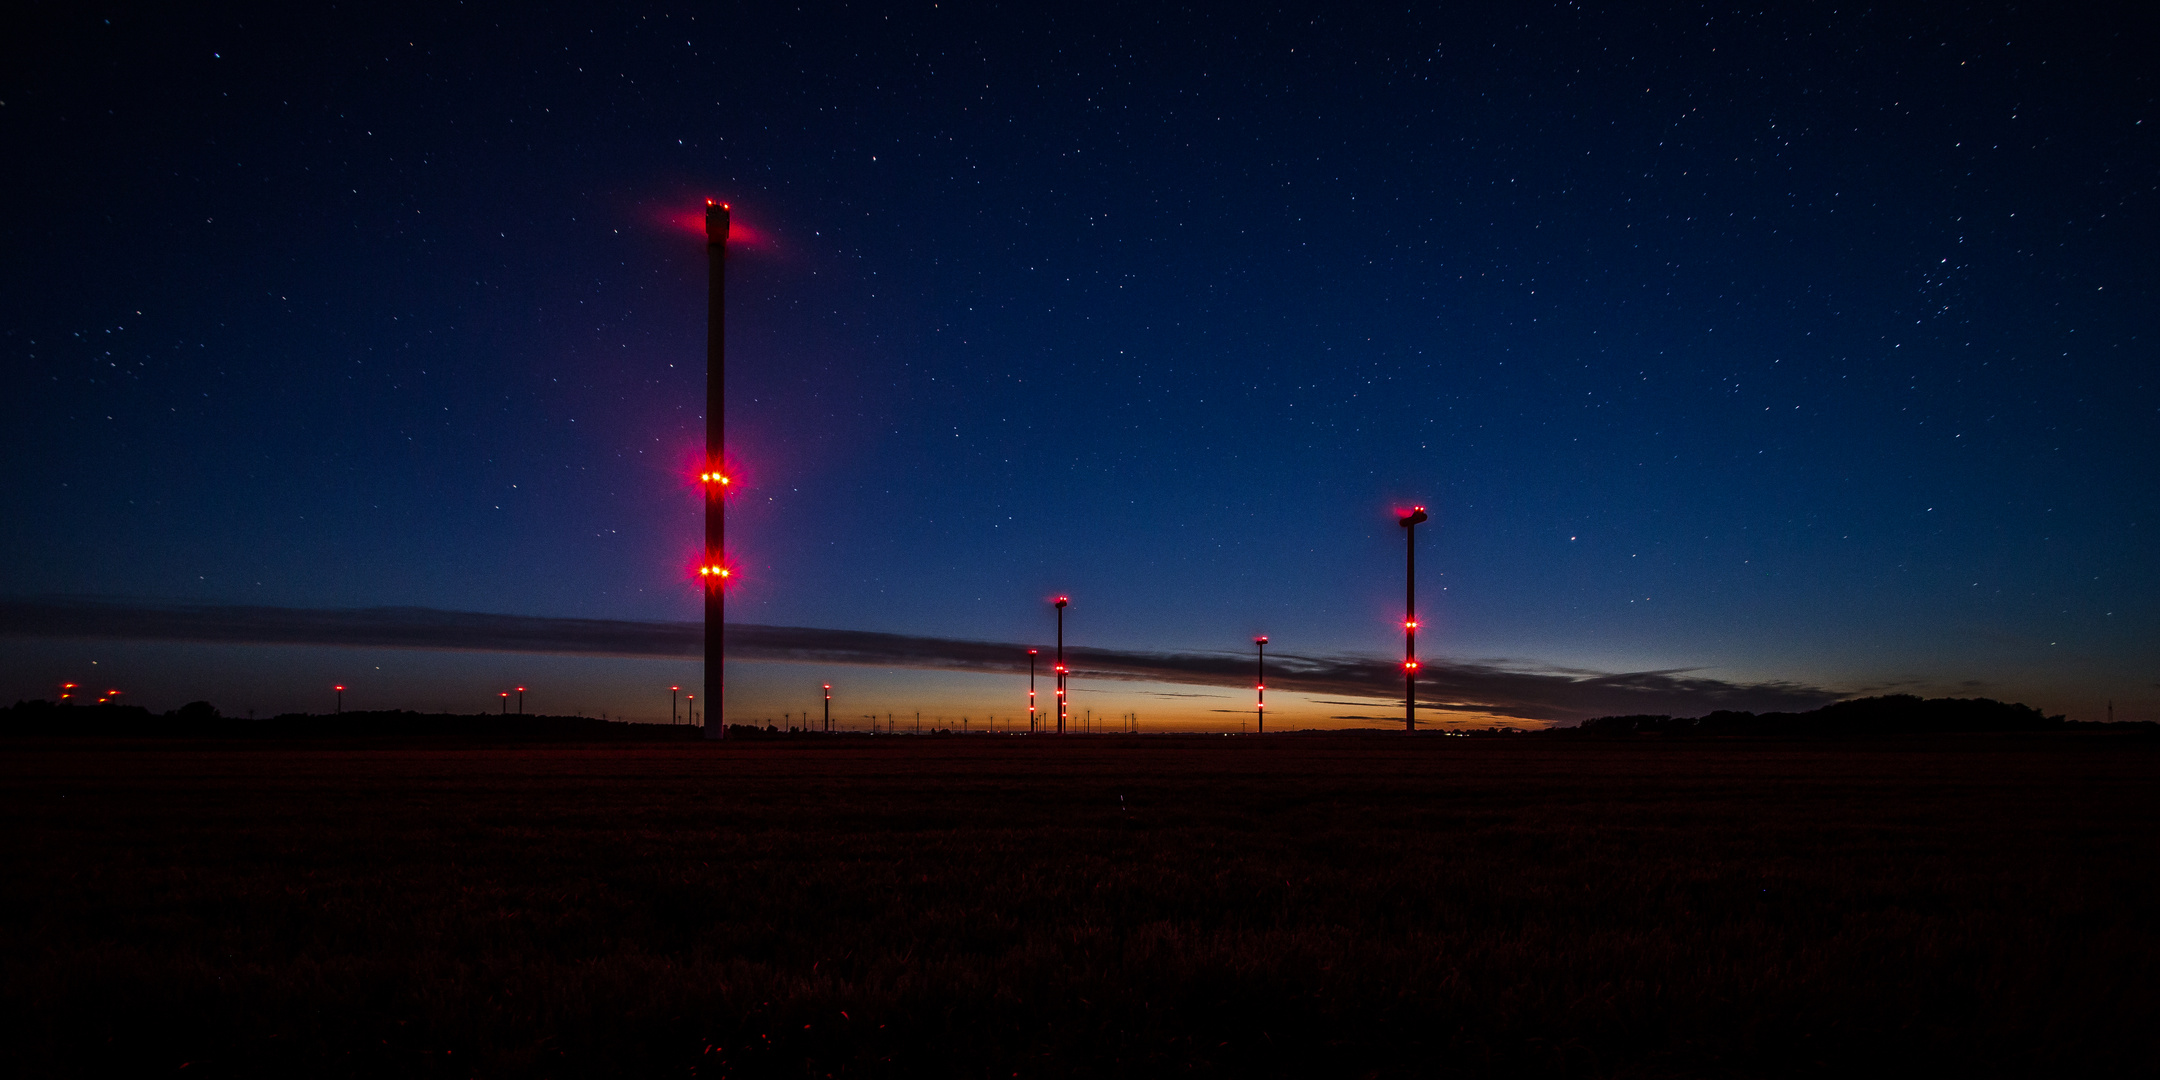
pixel 1099 907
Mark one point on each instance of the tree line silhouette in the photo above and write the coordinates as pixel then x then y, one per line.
pixel 1892 714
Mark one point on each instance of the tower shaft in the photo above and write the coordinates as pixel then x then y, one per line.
pixel 1409 523
pixel 716 235
pixel 1410 632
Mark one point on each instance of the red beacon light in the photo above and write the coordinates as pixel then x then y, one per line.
pixel 1410 665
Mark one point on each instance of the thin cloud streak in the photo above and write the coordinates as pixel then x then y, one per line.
pixel 1527 691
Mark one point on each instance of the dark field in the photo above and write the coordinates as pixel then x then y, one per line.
pixel 1342 906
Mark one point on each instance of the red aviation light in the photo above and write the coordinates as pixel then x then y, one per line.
pixel 1409 665
pixel 716 472
pixel 693 220
pixel 337 688
pixel 1411 625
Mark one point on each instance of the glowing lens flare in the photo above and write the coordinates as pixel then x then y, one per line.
pixel 1410 665
pixel 693 223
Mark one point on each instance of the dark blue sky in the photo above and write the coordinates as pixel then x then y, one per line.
pixel 1809 348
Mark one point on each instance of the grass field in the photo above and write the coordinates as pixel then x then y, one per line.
pixel 1322 906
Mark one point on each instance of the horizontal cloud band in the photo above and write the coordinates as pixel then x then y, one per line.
pixel 1529 692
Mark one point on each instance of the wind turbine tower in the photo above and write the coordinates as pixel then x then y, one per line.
pixel 1409 523
pixel 1061 602
pixel 714 569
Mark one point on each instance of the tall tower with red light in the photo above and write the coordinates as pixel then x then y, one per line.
pixel 1260 685
pixel 1061 602
pixel 1031 691
pixel 713 569
pixel 1409 523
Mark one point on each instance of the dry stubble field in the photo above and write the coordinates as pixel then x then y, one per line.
pixel 1105 906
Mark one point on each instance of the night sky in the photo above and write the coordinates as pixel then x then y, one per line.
pixel 1744 358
